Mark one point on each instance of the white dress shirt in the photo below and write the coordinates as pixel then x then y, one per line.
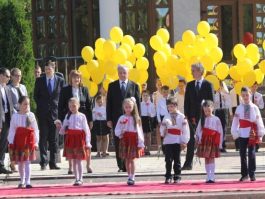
pixel 75 92
pixel 148 109
pixel 4 97
pixel 225 99
pixel 125 83
pixel 161 109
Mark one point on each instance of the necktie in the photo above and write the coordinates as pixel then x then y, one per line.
pixel 50 87
pixel 237 99
pixel 221 104
pixel 197 86
pixel 123 90
pixel 253 98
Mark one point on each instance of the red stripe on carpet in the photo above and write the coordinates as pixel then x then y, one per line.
pixel 139 188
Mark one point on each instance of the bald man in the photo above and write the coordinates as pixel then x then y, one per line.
pixel 117 92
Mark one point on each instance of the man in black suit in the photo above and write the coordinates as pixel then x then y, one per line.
pixel 46 94
pixel 196 91
pixel 117 92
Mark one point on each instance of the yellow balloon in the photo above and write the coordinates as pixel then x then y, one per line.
pixel 116 34
pixel 134 75
pixel 188 51
pixel 163 34
pixel 99 53
pixel 233 72
pixel 120 56
pixel 211 40
pixel 139 50
pixel 156 42
pixel 110 68
pixel 259 76
pixel 128 39
pixel 163 71
pixel 178 48
pixel 249 78
pixel 109 48
pixel 160 59
pixel 262 66
pixel 171 81
pixel 106 83
pixel 143 76
pixel 188 37
pixel 99 43
pixel 132 59
pixel 126 47
pixel 245 65
pixel 182 68
pixel 97 76
pixel 252 49
pixel 222 70
pixel 128 65
pixel 166 49
pixel 200 47
pixel 238 87
pixel 203 28
pixel 83 69
pixel 87 53
pixel 216 54
pixel 172 63
pixel 240 51
pixel 142 63
pixel 207 63
pixel 214 80
pixel 91 65
pixel 254 58
pixel 263 44
pixel 93 89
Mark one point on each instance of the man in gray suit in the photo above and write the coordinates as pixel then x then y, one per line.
pixel 6 111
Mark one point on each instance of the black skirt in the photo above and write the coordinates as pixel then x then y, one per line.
pixel 147 123
pixel 100 128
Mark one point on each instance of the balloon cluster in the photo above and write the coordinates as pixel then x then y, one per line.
pixel 119 49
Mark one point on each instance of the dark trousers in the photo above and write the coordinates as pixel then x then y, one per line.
pixel 48 135
pixel 222 115
pixel 3 142
pixel 250 168
pixel 190 146
pixel 120 162
pixel 172 153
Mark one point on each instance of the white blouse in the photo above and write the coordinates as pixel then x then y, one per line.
pixel 99 113
pixel 258 100
pixel 181 124
pixel 225 99
pixel 254 116
pixel 148 109
pixel 77 121
pixel 19 120
pixel 126 123
pixel 75 92
pixel 211 122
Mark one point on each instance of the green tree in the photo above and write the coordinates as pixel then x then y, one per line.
pixel 16 39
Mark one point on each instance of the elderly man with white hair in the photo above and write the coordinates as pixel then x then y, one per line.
pixel 117 92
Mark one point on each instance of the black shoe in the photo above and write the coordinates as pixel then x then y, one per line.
pixel 28 186
pixel 177 180
pixel 223 151
pixel 70 172
pixel 54 167
pixel 147 153
pixel 168 181
pixel 4 171
pixel 43 167
pixel 120 170
pixel 253 178
pixel 210 181
pixel 20 186
pixel 186 167
pixel 130 182
pixel 244 178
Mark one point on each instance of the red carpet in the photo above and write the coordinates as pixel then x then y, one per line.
pixel 139 188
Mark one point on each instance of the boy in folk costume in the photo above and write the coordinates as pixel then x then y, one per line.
pixel 77 140
pixel 176 133
pixel 23 140
pixel 208 138
pixel 130 132
pixel 248 127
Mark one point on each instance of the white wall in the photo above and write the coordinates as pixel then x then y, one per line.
pixel 109 15
pixel 186 15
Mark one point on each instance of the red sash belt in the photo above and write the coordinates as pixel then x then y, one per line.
pixel 253 136
pixel 206 132
pixel 24 138
pixel 174 131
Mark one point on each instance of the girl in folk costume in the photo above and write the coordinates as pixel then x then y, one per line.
pixel 23 140
pixel 77 140
pixel 148 113
pixel 208 137
pixel 130 132
pixel 176 133
pixel 248 127
pixel 100 127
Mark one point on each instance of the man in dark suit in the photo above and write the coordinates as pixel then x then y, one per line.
pixel 46 94
pixel 117 92
pixel 196 91
pixel 6 111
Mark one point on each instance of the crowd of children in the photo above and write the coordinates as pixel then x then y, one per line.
pixel 163 113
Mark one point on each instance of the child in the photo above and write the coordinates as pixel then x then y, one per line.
pixel 129 130
pixel 221 106
pixel 100 127
pixel 181 94
pixel 208 137
pixel 176 134
pixel 77 140
pixel 248 127
pixel 23 140
pixel 148 112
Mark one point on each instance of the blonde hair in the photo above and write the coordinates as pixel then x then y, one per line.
pixel 74 100
pixel 75 73
pixel 135 112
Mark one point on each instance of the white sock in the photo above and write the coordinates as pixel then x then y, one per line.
pixel 132 176
pixel 212 169
pixel 75 169
pixel 21 170
pixel 207 168
pixel 27 172
pixel 80 170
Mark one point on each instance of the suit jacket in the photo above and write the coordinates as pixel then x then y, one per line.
pixel 47 105
pixel 192 102
pixel 85 102
pixel 11 106
pixel 115 99
pixel 15 95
